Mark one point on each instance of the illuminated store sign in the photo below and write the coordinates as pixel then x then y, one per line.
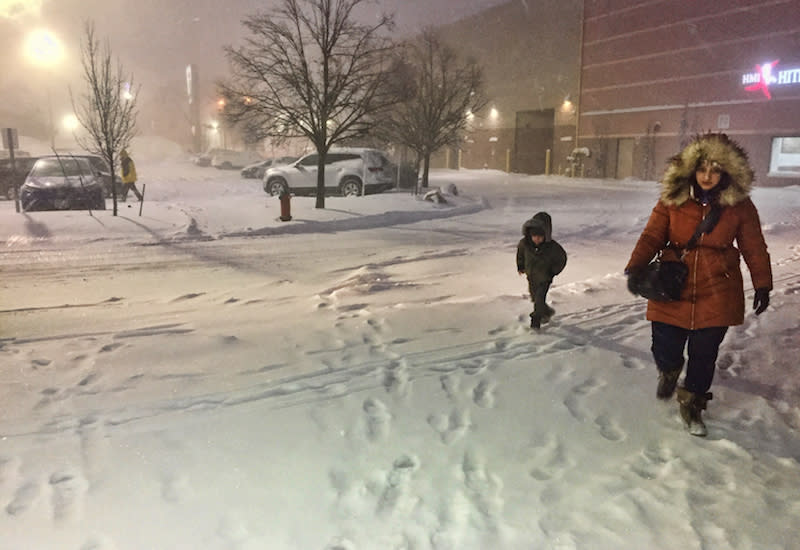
pixel 768 75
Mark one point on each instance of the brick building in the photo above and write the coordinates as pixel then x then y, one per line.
pixel 655 72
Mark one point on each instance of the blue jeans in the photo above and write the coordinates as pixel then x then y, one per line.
pixel 703 348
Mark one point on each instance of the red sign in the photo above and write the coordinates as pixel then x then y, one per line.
pixel 767 75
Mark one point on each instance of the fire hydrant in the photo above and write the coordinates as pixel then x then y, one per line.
pixel 286 206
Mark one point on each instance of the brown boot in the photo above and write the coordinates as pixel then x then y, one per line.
pixel 667 380
pixel 692 406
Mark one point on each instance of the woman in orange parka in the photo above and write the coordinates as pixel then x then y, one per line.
pixel 712 169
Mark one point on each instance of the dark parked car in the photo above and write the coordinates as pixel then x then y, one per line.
pixel 62 183
pixel 100 166
pixel 256 170
pixel 10 180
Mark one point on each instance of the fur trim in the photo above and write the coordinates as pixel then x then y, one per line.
pixel 676 185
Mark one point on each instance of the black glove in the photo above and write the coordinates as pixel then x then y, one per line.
pixel 761 300
pixel 634 275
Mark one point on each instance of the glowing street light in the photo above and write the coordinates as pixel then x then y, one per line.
pixel 126 93
pixel 70 122
pixel 43 48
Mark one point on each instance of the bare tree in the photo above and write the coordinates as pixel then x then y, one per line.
pixel 440 91
pixel 107 107
pixel 308 69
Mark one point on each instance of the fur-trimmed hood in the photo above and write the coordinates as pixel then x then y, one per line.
pixel 676 185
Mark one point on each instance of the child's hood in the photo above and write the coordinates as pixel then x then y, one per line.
pixel 541 220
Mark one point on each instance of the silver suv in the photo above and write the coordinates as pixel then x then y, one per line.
pixel 348 171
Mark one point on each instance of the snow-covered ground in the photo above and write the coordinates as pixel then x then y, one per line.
pixel 205 376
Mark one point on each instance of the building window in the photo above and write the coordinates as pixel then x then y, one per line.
pixel 785 158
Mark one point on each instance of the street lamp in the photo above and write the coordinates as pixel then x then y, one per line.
pixel 70 122
pixel 44 50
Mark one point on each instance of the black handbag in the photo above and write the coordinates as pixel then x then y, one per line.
pixel 663 280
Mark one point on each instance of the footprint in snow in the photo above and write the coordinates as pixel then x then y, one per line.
pixel 88 379
pixel 24 497
pixel 577 396
pixel 110 347
pixel 95 448
pixel 395 378
pixel 483 394
pixel 450 427
pixel 377 419
pixel 340 543
pixel 98 542
pixel 633 364
pixel 483 488
pixel 450 385
pixel 175 487
pixel 498 345
pixel 188 296
pixel 396 490
pixel 609 429
pixel 68 490
pixel 550 460
pixel 653 462
pixel 476 366
pixel 9 469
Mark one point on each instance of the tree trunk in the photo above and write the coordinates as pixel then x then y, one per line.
pixel 321 180
pixel 426 169
pixel 113 187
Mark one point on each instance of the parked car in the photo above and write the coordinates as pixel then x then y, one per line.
pixel 257 169
pixel 204 159
pixel 62 183
pixel 225 159
pixel 348 171
pixel 11 180
pixel 100 166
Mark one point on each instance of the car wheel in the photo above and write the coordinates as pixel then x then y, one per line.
pixel 226 166
pixel 276 187
pixel 350 187
pixel 100 203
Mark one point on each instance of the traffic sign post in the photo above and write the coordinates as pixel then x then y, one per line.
pixel 11 142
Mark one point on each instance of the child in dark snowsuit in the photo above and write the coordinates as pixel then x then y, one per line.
pixel 540 258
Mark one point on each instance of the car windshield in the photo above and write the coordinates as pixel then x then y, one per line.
pixel 98 164
pixel 374 158
pixel 60 167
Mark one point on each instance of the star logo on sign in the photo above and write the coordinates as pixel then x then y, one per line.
pixel 766 78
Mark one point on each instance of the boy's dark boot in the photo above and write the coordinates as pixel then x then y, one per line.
pixel 667 380
pixel 692 406
pixel 536 322
pixel 549 312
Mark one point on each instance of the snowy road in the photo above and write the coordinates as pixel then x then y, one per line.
pixel 377 388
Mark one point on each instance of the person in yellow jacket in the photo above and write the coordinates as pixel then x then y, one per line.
pixel 128 176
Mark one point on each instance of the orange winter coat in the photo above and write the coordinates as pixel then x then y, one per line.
pixel 714 292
